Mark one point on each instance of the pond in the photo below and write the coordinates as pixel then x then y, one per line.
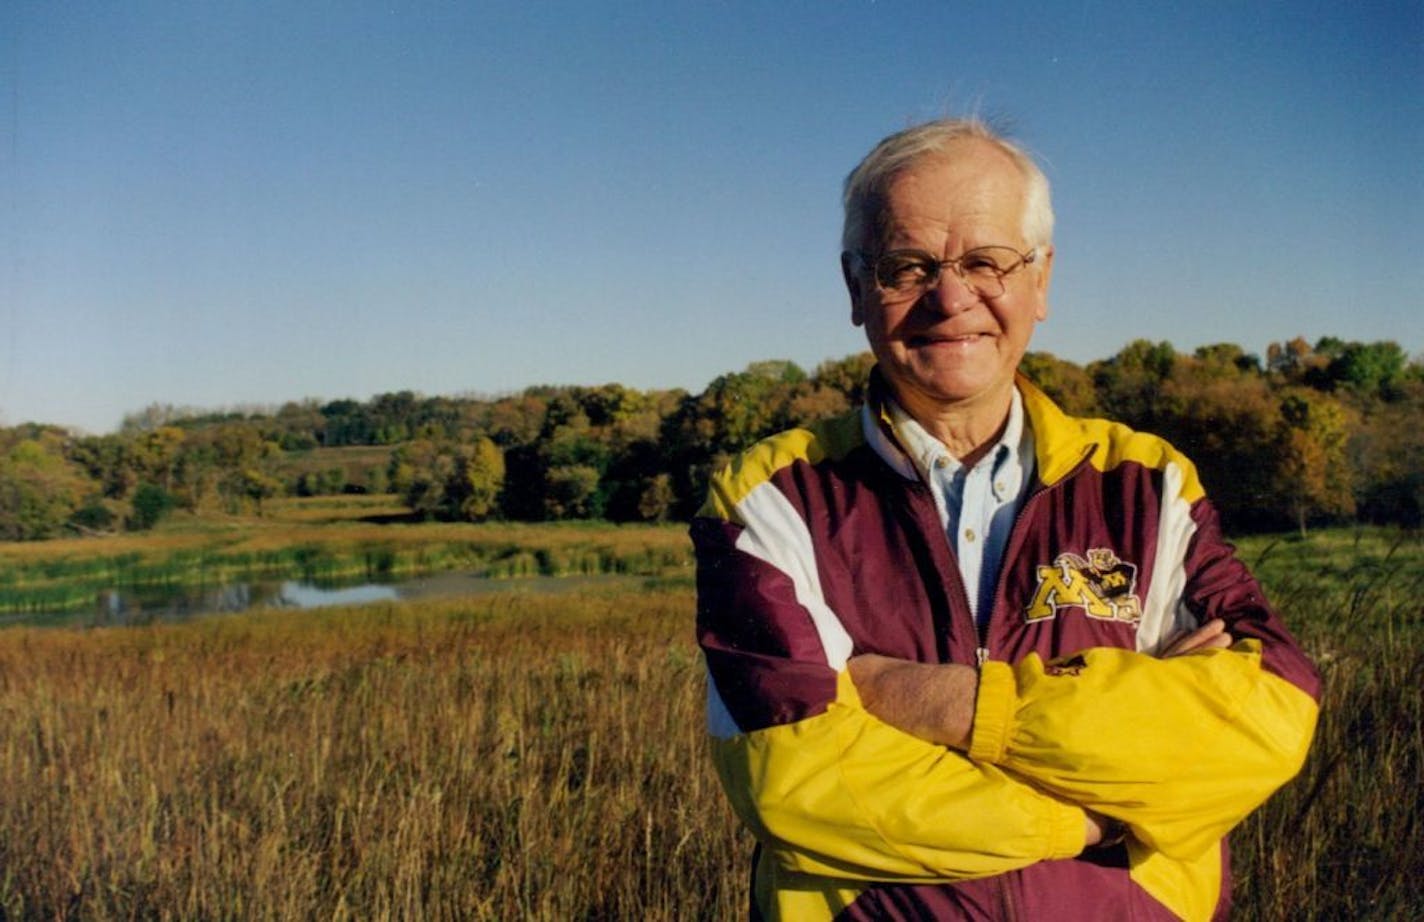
pixel 119 607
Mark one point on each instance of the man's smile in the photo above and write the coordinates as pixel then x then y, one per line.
pixel 922 340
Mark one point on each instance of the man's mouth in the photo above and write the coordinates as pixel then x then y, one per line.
pixel 940 339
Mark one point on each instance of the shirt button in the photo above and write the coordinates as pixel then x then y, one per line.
pixel 968 534
pixel 999 486
pixel 941 462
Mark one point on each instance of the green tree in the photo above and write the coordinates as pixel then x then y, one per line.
pixel 94 514
pixel 198 471
pixel 155 454
pixel 780 371
pixel 419 471
pixel 151 504
pixel 40 489
pixel 246 463
pixel 1067 384
pixel 1371 369
pixel 258 486
pixel 733 412
pixel 516 420
pixel 346 422
pixel 630 477
pixel 300 426
pixel 572 492
pixel 1227 422
pixel 109 460
pixel 1387 454
pixel 849 375
pixel 1128 383
pixel 377 481
pixel 447 480
pixel 1228 358
pixel 479 479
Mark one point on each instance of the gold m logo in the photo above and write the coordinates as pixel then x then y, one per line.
pixel 1064 584
pixel 1104 588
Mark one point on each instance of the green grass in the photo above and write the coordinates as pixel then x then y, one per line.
pixel 1344 840
pixel 1350 585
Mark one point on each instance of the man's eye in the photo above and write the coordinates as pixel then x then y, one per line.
pixel 981 263
pixel 904 271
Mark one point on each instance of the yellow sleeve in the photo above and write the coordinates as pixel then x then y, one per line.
pixel 1180 749
pixel 842 794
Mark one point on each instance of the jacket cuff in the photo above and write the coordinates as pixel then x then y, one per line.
pixel 993 713
pixel 1067 830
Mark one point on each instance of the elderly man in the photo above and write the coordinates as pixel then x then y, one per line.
pixel 970 657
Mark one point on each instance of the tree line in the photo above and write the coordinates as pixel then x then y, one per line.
pixel 1327 432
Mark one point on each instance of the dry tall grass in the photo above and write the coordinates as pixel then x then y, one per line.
pixel 521 756
pixel 512 757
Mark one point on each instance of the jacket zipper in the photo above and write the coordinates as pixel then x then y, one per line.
pixel 981 653
pixel 926 511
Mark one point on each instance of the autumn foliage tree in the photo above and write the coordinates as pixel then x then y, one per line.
pixel 1316 433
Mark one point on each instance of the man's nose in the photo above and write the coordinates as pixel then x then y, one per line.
pixel 950 294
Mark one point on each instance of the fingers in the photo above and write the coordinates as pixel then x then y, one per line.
pixel 1093 826
pixel 1210 636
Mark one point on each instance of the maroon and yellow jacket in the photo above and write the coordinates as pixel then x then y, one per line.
pixel 822 543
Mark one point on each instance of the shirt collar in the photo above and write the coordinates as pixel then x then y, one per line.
pixel 1006 457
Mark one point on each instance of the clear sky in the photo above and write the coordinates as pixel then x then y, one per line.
pixel 220 203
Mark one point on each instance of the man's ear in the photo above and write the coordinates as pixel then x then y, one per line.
pixel 1045 272
pixel 853 288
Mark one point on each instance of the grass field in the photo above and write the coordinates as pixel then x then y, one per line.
pixel 523 756
pixel 1345 839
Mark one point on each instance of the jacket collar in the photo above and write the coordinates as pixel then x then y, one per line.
pixel 879 427
pixel 1060 441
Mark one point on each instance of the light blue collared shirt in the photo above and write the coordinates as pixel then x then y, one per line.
pixel 977 505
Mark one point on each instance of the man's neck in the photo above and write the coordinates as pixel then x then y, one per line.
pixel 968 429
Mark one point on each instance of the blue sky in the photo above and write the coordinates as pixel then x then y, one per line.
pixel 213 204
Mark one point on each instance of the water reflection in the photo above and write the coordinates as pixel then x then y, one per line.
pixel 146 605
pixel 143 606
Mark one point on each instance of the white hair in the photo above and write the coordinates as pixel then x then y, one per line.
pixel 866 185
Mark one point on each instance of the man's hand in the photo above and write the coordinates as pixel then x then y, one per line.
pixel 936 703
pixel 1210 636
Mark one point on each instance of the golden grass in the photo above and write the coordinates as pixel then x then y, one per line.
pixel 527 756
pixel 313 524
pixel 556 536
pixel 515 757
pixel 332 508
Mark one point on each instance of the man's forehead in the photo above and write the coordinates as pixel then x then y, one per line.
pixel 971 167
pixel 939 189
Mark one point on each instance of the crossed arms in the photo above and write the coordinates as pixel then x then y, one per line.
pixel 893 770
pixel 935 702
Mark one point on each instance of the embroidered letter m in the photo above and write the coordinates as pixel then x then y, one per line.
pixel 1064 584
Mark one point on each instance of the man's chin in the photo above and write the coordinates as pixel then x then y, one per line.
pixel 948 389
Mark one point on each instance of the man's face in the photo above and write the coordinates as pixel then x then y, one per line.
pixel 949 347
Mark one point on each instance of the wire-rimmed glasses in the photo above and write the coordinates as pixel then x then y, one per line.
pixel 906 273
